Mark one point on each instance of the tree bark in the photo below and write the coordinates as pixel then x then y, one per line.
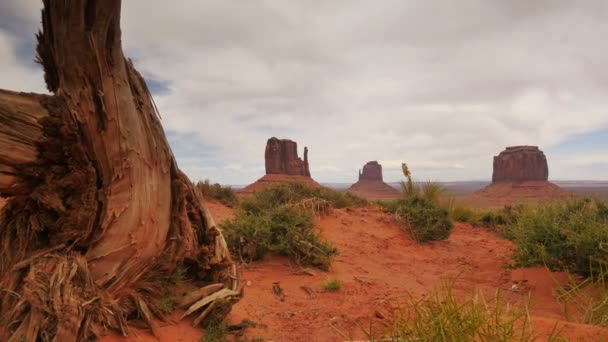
pixel 100 213
pixel 20 131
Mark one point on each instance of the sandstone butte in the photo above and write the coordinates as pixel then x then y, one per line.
pixel 520 174
pixel 283 165
pixel 371 184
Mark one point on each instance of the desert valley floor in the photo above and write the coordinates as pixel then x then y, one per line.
pixel 380 268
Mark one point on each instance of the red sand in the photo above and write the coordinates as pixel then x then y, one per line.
pixel 500 194
pixel 374 190
pixel 379 267
pixel 272 179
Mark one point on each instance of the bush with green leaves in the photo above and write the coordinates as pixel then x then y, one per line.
pixel 332 285
pixel 281 229
pixel 464 214
pixel 422 219
pixel 218 192
pixel 280 218
pixel 564 236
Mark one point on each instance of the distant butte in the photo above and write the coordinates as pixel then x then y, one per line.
pixel 520 174
pixel 283 165
pixel 520 164
pixel 281 158
pixel 371 185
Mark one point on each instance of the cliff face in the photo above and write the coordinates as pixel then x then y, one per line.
pixel 520 164
pixel 371 171
pixel 281 157
pixel 520 176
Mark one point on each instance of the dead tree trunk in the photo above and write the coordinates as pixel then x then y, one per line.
pixel 99 212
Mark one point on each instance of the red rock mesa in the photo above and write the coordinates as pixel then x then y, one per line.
pixel 519 164
pixel 282 166
pixel 370 184
pixel 519 175
pixel 282 158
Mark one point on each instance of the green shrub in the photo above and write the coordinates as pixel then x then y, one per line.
pixel 282 230
pixel 332 285
pixel 565 236
pixel 423 220
pixel 464 214
pixel 222 194
pixel 389 206
pixel 215 333
pixel 434 192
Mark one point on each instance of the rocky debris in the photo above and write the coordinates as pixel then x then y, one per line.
pixel 282 158
pixel 370 184
pixel 371 171
pixel 520 164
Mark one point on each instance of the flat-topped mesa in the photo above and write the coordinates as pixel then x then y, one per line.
pixel 520 164
pixel 371 171
pixel 282 158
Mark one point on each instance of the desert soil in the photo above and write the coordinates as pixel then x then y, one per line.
pixel 380 269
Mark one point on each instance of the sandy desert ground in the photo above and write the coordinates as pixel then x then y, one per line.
pixel 380 268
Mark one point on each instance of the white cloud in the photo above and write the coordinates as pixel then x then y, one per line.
pixel 443 86
pixel 15 74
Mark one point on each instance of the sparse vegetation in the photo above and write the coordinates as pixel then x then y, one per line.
pixel 423 220
pixel 166 305
pixel 282 230
pixel 280 219
pixel 464 214
pixel 407 186
pixel 494 219
pixel 218 192
pixel 215 333
pixel 180 274
pixel 419 212
pixel 293 193
pixel 332 285
pixel 564 236
pixel 441 317
pixel 586 300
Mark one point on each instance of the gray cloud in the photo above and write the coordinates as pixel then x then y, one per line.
pixel 443 85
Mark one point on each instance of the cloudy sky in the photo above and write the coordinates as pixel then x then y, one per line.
pixel 442 85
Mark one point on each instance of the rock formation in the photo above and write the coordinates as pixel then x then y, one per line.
pixel 282 166
pixel 370 184
pixel 282 158
pixel 520 164
pixel 520 175
pixel 371 171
